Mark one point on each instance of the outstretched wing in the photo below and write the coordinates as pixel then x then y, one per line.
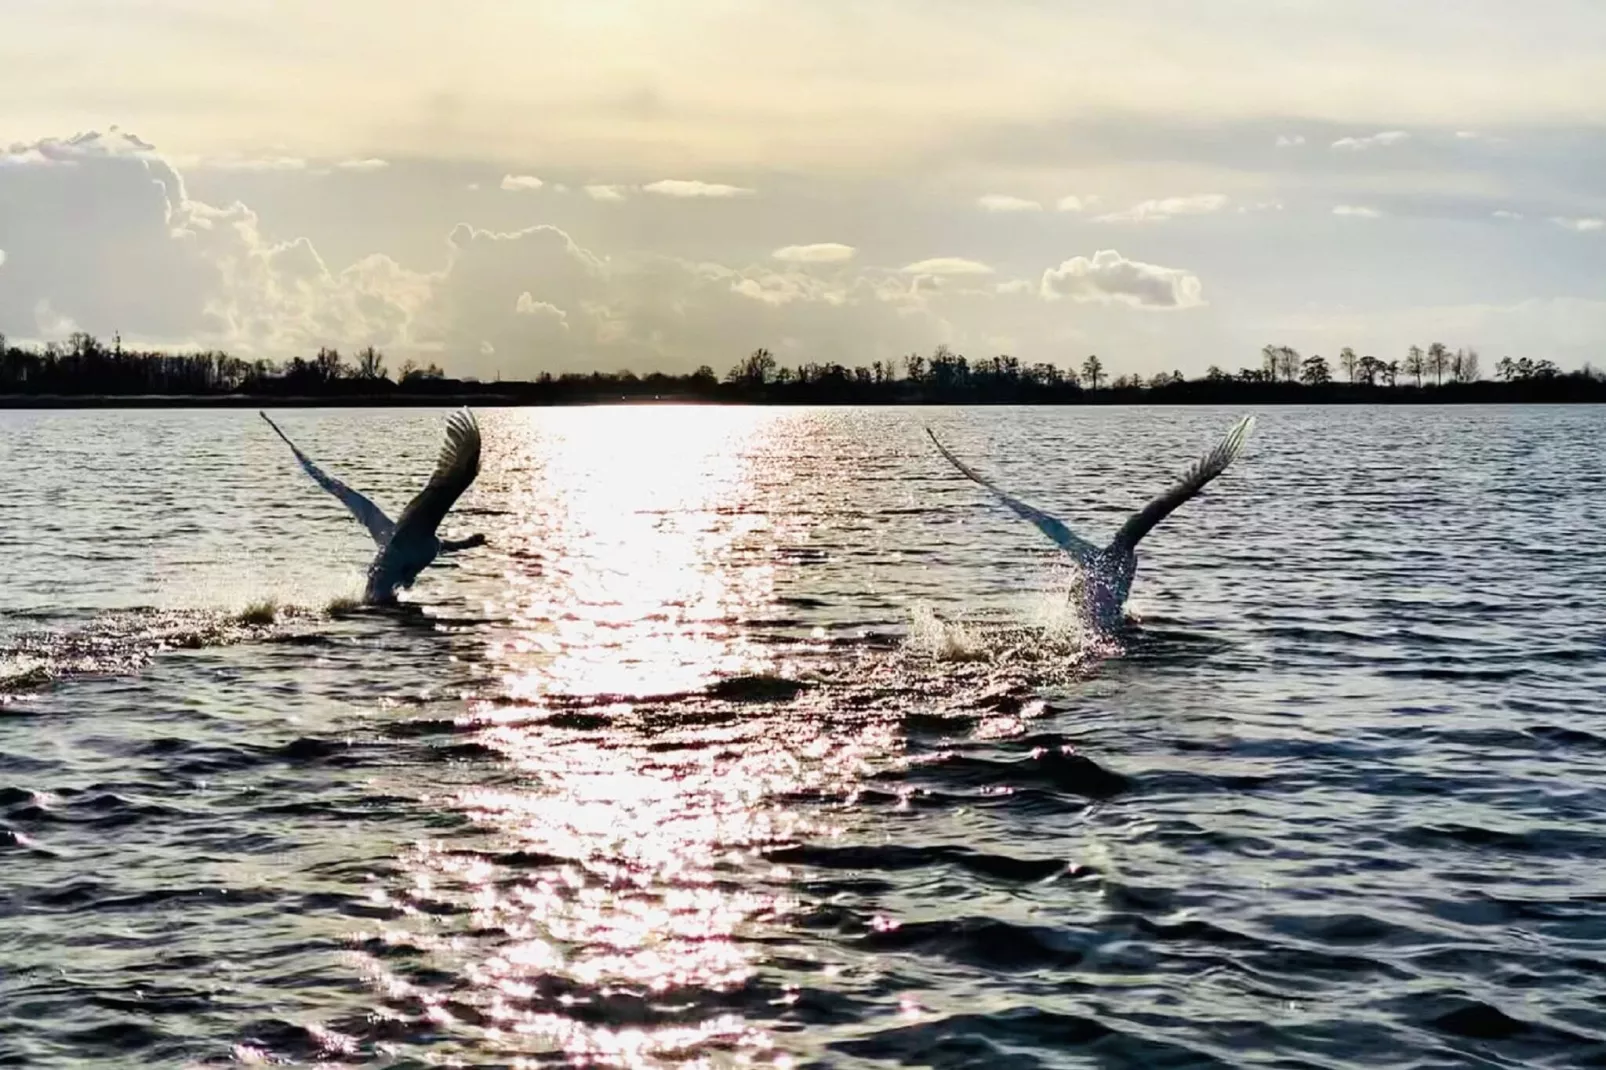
pixel 1204 470
pixel 1054 529
pixel 458 465
pixel 373 518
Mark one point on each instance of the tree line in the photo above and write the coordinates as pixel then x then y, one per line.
pixel 85 368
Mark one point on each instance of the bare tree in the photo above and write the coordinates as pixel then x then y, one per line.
pixel 1270 361
pixel 1348 360
pixel 1467 370
pixel 1288 362
pixel 370 364
pixel 1415 363
pixel 1438 361
pixel 1093 371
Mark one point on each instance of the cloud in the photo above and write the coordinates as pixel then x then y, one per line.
pixel 1001 202
pixel 605 193
pixel 1381 140
pixel 1503 213
pixel 1288 141
pixel 2 258
pixel 1110 278
pixel 112 240
pixel 947 265
pixel 521 182
pixel 1073 203
pixel 1357 211
pixel 369 164
pixel 248 163
pixel 819 253
pixel 1168 208
pixel 1583 225
pixel 677 187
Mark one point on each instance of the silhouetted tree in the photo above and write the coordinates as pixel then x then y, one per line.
pixel 1314 372
pixel 1347 360
pixel 1092 371
pixel 1288 361
pixel 1438 361
pixel 1415 364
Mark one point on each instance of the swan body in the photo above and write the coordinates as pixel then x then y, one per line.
pixel 1108 571
pixel 409 544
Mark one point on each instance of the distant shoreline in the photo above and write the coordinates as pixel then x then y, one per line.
pixel 1499 394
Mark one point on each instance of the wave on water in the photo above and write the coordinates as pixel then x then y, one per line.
pixel 123 642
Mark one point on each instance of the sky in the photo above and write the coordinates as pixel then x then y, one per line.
pixel 510 188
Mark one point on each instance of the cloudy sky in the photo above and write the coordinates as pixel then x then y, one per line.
pixel 513 188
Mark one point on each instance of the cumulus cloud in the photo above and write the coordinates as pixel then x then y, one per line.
pixel 947 265
pixel 1168 208
pixel 369 164
pixel 818 253
pixel 1288 141
pixel 1373 141
pixel 605 193
pixel 1358 211
pixel 1504 213
pixel 1002 202
pixel 678 187
pixel 1583 225
pixel 1110 278
pixel 1072 203
pixel 521 182
pixel 112 240
pixel 2 258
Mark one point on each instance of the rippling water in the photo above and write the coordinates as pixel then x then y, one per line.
pixel 760 737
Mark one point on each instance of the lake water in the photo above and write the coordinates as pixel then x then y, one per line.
pixel 761 737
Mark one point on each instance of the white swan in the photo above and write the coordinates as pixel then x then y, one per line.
pixel 1108 572
pixel 408 545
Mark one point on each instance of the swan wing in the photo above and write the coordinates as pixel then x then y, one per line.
pixel 373 518
pixel 1054 529
pixel 457 467
pixel 1206 468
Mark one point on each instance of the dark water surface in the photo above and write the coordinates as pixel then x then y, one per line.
pixel 759 737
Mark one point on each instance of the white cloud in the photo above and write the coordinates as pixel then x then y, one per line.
pixel 262 163
pixel 1381 140
pixel 1357 211
pixel 368 164
pixel 1503 213
pixel 678 187
pixel 2 258
pixel 521 182
pixel 1288 141
pixel 1002 202
pixel 947 265
pixel 1167 208
pixel 605 193
pixel 818 253
pixel 1583 225
pixel 1260 206
pixel 1072 203
pixel 1110 277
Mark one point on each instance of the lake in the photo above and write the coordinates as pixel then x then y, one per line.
pixel 759 736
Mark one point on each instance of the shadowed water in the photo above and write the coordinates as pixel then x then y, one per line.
pixel 761 737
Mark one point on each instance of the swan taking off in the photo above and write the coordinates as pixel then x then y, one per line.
pixel 408 545
pixel 1108 572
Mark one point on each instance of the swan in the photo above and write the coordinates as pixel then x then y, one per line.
pixel 408 545
pixel 1108 572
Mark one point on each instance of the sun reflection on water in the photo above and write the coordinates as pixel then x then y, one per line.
pixel 614 910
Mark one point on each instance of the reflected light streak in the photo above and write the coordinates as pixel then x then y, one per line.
pixel 612 919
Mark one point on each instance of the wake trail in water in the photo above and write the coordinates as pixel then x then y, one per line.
pixel 123 642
